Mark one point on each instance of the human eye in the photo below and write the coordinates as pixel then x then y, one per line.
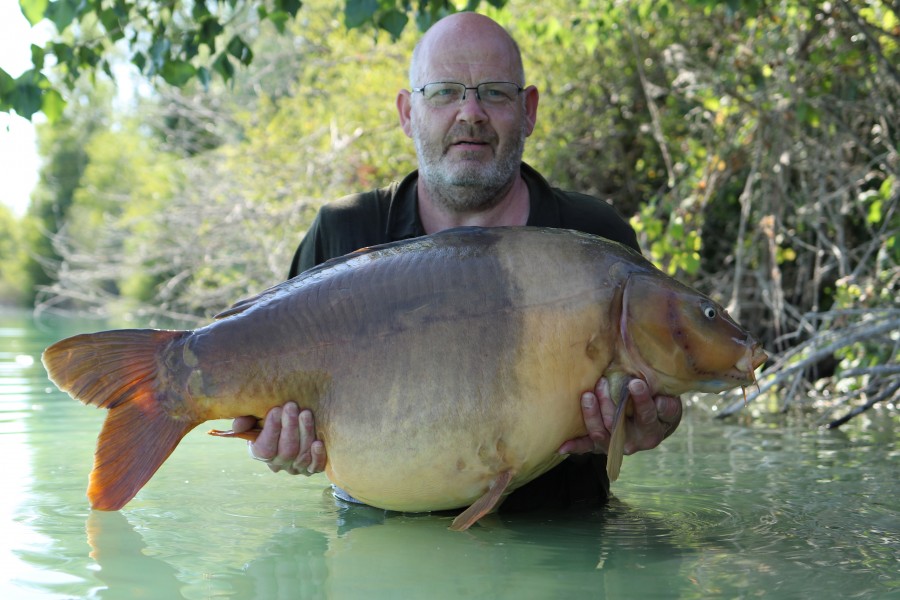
pixel 498 93
pixel 442 93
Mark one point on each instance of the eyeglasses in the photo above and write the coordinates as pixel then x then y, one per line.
pixel 490 93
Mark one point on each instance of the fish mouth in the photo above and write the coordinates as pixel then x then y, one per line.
pixel 752 358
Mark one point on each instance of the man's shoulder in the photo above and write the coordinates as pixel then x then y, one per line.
pixel 593 215
pixel 364 205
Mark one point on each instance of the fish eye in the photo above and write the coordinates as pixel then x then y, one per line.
pixel 709 311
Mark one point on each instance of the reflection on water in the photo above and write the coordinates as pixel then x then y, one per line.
pixel 718 511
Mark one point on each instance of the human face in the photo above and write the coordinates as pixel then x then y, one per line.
pixel 468 153
pixel 469 158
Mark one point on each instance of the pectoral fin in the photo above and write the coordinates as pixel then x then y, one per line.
pixel 483 505
pixel 619 390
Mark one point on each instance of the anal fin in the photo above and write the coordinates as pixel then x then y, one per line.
pixel 483 505
pixel 250 435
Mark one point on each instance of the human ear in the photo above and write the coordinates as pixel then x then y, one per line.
pixel 404 108
pixel 531 105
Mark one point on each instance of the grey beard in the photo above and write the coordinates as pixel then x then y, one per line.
pixel 469 190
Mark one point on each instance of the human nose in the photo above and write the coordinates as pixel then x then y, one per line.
pixel 470 109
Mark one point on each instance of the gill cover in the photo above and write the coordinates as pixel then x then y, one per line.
pixel 683 339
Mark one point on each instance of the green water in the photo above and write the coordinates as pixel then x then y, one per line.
pixel 719 511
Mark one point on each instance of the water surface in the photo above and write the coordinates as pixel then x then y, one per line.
pixel 719 510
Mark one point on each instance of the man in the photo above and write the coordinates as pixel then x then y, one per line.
pixel 469 115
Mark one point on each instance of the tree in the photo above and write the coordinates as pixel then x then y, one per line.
pixel 12 284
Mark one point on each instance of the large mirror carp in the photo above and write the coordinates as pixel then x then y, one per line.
pixel 444 372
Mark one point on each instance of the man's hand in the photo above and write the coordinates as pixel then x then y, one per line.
pixel 287 441
pixel 653 420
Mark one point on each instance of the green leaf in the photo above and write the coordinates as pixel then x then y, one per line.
pixel 289 6
pixel 159 52
pixel 177 72
pixel 279 19
pixel 241 51
pixel 874 215
pixel 62 52
pixel 33 10
pixel 109 18
pixel 209 29
pixel 37 57
pixel 62 13
pixel 7 87
pixel 358 12
pixel 204 76
pixel 199 11
pixel 223 66
pixel 26 98
pixel 52 105
pixel 104 64
pixel 139 60
pixel 393 21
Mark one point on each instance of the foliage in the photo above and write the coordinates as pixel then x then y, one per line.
pixel 236 204
pixel 173 40
pixel 12 284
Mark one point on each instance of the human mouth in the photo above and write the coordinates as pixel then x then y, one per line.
pixel 469 144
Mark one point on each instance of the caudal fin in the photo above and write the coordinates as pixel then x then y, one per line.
pixel 118 370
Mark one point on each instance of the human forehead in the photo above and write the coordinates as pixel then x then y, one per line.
pixel 471 63
pixel 469 73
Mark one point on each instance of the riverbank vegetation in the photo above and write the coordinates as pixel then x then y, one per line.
pixel 754 146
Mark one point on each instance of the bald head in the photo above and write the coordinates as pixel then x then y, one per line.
pixel 466 43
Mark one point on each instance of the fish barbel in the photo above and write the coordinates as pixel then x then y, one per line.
pixel 444 371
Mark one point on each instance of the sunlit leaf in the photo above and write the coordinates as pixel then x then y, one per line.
pixel 874 215
pixel 37 56
pixel 52 105
pixel 33 9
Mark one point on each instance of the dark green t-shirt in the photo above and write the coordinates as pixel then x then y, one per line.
pixel 391 214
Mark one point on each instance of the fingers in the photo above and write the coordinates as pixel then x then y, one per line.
pixel 288 442
pixel 310 455
pixel 241 424
pixel 607 405
pixel 642 403
pixel 654 419
pixel 597 438
pixel 265 447
pixel 670 410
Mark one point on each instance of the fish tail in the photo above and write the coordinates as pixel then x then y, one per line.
pixel 118 370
